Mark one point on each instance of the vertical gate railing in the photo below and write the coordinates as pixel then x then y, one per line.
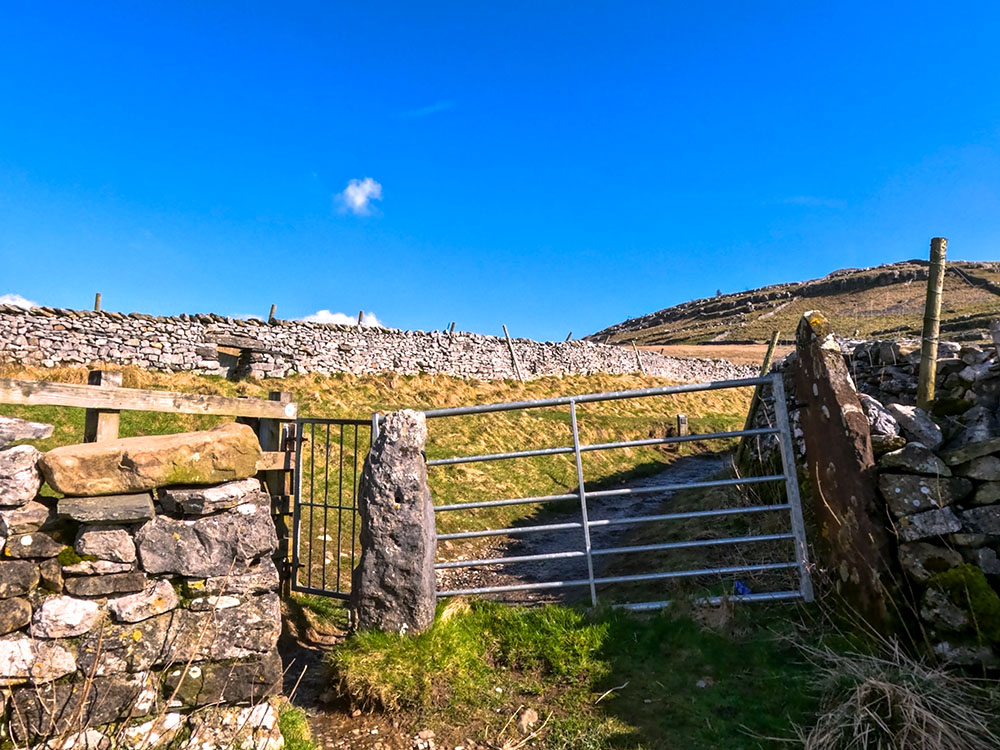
pixel 792 504
pixel 325 524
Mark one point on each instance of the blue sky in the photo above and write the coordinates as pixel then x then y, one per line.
pixel 555 166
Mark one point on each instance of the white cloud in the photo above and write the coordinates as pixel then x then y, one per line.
pixel 342 319
pixel 17 300
pixel 430 109
pixel 358 196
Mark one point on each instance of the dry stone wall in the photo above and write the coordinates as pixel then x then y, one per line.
pixel 938 478
pixel 49 337
pixel 123 617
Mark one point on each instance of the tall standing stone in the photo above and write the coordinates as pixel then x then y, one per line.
pixel 855 547
pixel 394 587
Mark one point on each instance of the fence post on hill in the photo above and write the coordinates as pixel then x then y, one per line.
pixel 638 359
pixel 270 432
pixel 97 302
pixel 513 355
pixel 755 400
pixel 932 324
pixel 100 425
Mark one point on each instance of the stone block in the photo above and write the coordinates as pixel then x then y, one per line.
pixel 63 707
pixel 214 545
pixel 105 543
pixel 17 578
pixel 155 599
pixel 106 585
pixel 880 419
pixel 50 575
pixel 20 478
pixel 12 429
pixel 917 425
pixel 64 617
pixel 915 458
pixel 203 500
pixel 987 494
pixel 910 493
pixel 96 568
pixel 222 454
pixel 38 545
pixel 108 508
pixel 34 515
pixel 14 614
pixel 921 560
pixel 938 611
pixel 928 524
pixel 208 683
pixel 982 520
pixel 24 659
pixel 984 468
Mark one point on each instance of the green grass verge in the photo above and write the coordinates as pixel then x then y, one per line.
pixel 602 680
pixel 294 726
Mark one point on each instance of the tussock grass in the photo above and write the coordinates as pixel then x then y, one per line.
pixel 887 699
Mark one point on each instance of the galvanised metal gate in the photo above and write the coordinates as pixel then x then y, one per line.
pixel 325 524
pixel 589 501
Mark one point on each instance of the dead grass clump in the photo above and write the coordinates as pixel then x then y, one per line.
pixel 891 700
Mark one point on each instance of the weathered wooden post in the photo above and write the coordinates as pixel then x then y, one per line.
pixel 513 355
pixel 101 424
pixel 682 425
pixel 932 324
pixel 270 315
pixel 97 302
pixel 638 359
pixel 569 335
pixel 270 432
pixel 765 368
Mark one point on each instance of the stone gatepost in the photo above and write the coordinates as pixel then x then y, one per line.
pixel 855 549
pixel 393 588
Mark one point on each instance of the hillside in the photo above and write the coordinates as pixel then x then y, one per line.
pixel 884 301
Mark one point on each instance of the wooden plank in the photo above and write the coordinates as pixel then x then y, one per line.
pixel 276 461
pixel 40 393
pixel 100 425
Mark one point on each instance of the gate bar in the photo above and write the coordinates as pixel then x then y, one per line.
pixel 620 579
pixel 614 522
pixel 589 397
pixel 583 502
pixel 612 493
pixel 792 486
pixel 603 446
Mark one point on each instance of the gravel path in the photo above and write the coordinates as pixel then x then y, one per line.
pixel 685 469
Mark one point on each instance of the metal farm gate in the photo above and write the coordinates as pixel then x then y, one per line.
pixel 325 524
pixel 325 547
pixel 580 544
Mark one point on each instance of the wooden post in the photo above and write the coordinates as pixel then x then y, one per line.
pixel 513 356
pixel 569 335
pixel 100 425
pixel 682 425
pixel 995 333
pixel 451 328
pixel 638 359
pixel 97 302
pixel 932 324
pixel 361 316
pixel 755 400
pixel 270 315
pixel 278 485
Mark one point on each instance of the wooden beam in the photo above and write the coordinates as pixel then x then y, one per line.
pixel 513 355
pixel 40 393
pixel 100 425
pixel 276 461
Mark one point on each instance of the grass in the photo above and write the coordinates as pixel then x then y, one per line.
pixel 892 310
pixel 347 396
pixel 597 680
pixel 294 726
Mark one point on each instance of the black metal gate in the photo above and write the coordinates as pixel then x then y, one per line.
pixel 325 549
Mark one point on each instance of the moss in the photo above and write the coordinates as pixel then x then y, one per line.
pixel 68 556
pixel 966 586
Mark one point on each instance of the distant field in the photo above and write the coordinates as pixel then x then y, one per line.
pixel 882 302
pixel 740 354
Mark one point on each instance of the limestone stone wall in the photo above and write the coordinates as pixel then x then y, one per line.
pixel 937 476
pixel 124 616
pixel 48 337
